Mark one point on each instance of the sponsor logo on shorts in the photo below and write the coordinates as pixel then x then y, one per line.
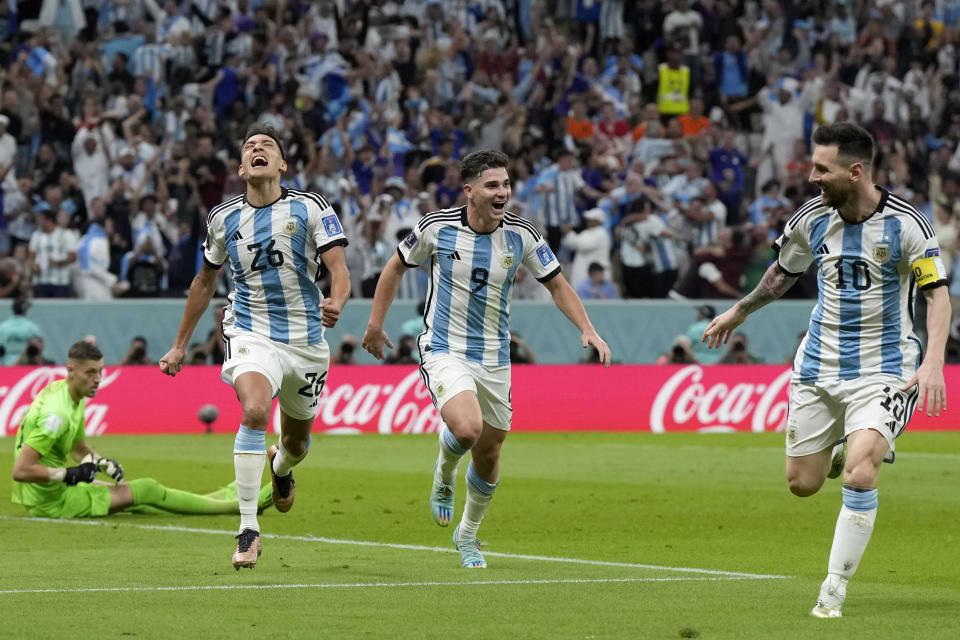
pixel 792 435
pixel 545 255
pixel 242 351
pixel 440 390
pixel 332 226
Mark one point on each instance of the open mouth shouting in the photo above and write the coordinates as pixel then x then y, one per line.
pixel 498 205
pixel 258 160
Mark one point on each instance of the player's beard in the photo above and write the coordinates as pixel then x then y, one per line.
pixel 834 196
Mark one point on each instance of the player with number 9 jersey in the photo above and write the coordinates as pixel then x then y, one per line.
pixel 468 304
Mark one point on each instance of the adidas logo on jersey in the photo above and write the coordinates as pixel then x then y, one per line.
pixel 823 250
pixel 237 236
pixel 454 256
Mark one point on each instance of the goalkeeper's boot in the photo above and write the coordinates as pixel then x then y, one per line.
pixel 248 549
pixel 441 501
pixel 832 593
pixel 284 488
pixel 838 459
pixel 470 556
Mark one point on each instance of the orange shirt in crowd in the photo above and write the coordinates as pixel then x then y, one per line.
pixel 693 126
pixel 580 129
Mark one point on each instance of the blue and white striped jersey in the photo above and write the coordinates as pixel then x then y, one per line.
pixel 468 302
pixel 868 274
pixel 274 253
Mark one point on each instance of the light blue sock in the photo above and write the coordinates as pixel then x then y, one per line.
pixel 479 493
pixel 450 453
pixel 249 455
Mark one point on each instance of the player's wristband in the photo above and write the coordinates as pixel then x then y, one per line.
pixel 58 475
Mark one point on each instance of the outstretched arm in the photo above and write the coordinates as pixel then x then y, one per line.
pixel 569 302
pixel 202 288
pixel 375 337
pixel 775 283
pixel 929 376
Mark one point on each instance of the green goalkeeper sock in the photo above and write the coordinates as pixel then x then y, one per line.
pixel 149 492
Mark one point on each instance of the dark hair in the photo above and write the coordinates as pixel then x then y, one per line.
pixel 264 129
pixel 852 141
pixel 479 161
pixel 594 267
pixel 83 350
pixel 20 306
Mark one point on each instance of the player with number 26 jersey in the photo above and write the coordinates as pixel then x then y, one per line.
pixel 274 253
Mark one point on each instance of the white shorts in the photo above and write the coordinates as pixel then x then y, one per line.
pixel 296 374
pixel 446 375
pixel 823 413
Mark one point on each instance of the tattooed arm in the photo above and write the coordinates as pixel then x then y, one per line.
pixel 775 283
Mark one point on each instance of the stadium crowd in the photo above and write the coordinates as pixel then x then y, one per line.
pixel 659 146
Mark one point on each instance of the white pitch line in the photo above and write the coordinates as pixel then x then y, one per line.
pixel 361 585
pixel 409 547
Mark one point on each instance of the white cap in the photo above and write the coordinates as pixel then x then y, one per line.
pixel 395 181
pixel 597 215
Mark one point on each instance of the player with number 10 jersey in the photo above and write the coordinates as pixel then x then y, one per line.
pixel 869 274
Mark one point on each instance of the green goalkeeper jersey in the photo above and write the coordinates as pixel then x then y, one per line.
pixel 52 424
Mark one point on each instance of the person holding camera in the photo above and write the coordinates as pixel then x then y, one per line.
pixel 737 352
pixel 16 332
pixel 137 353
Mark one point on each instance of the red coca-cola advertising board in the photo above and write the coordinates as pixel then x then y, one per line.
pixel 392 399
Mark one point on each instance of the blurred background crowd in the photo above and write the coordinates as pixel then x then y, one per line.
pixel 659 145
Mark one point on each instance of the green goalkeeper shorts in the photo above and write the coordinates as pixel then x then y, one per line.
pixel 81 501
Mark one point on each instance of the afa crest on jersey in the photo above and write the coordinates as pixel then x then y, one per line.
pixel 290 228
pixel 506 260
pixel 881 252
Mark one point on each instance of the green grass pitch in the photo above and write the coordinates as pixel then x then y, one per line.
pixel 589 536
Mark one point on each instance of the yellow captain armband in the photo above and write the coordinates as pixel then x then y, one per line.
pixel 929 270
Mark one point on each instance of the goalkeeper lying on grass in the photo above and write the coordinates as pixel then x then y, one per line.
pixel 53 429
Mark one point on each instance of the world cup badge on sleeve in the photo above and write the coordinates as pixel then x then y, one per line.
pixel 332 226
pixel 545 255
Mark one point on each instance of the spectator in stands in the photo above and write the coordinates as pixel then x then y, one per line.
pixel 92 279
pixel 597 286
pixel 679 353
pixel 737 351
pixel 32 355
pixel 403 354
pixel 17 331
pixel 53 250
pixel 137 353
pixel 699 350
pixel 591 245
pixel 346 351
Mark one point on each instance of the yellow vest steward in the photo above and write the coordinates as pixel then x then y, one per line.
pixel 674 90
